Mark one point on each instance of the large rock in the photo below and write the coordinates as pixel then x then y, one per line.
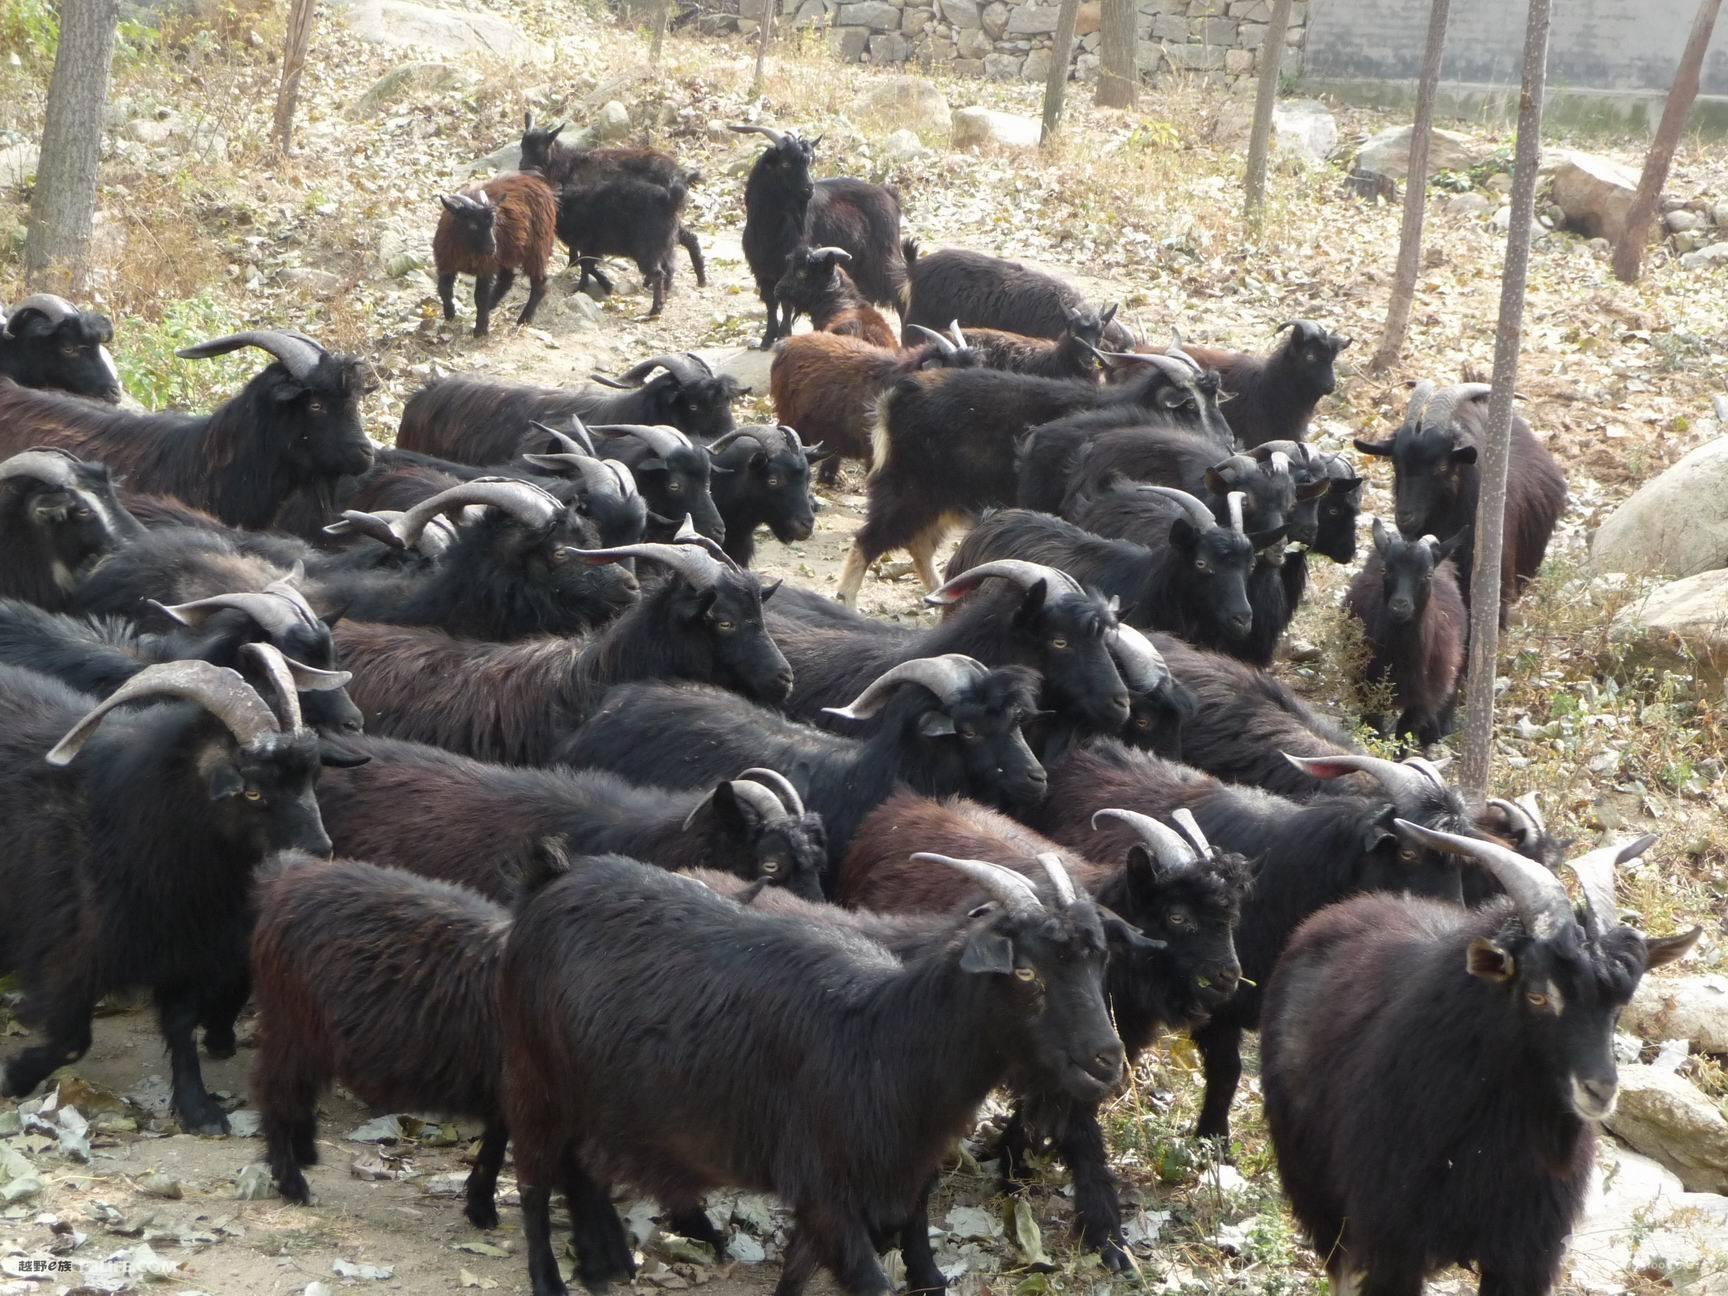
pixel 1714 254
pixel 1303 129
pixel 1670 1119
pixel 1691 1008
pixel 1388 153
pixel 1594 193
pixel 973 126
pixel 747 365
pixel 402 81
pixel 889 47
pixel 962 13
pixel 1684 623
pixel 904 101
pixel 1676 524
pixel 1032 20
pixel 1639 1217
pixel 400 24
pixel 878 15
pixel 612 122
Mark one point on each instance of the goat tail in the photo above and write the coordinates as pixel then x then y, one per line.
pixel 909 252
pixel 881 441
pixel 548 862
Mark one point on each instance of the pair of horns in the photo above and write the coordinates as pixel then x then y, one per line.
pixel 1410 782
pixel 1015 570
pixel 1171 849
pixel 946 677
pixel 221 691
pixel 787 434
pixel 768 792
pixel 1432 407
pixel 523 500
pixel 1006 887
pixel 279 609
pixel 44 464
pixel 51 308
pixel 951 345
pixel 298 353
pixel 691 554
pixel 684 367
pixel 1196 511
pixel 577 454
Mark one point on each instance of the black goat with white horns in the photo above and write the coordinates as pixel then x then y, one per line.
pixel 1434 1075
pixel 46 341
pixel 674 474
pixel 763 479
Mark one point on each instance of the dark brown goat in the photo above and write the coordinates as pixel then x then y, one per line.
pixel 826 386
pixel 494 232
pixel 816 284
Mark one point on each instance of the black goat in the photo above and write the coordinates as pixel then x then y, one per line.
pixel 480 825
pixel 988 292
pixel 764 480
pixel 816 284
pixel 565 164
pixel 515 572
pixel 905 1050
pixel 133 866
pixel 1434 1075
pixel 515 703
pixel 293 430
pixel 1272 397
pixel 785 210
pixel 946 448
pixel 1272 499
pixel 674 474
pixel 476 421
pixel 1033 616
pixel 1413 618
pixel 1434 464
pixel 956 729
pixel 1073 353
pixel 46 341
pixel 1194 585
pixel 1307 856
pixel 622 216
pixel 99 654
pixel 59 518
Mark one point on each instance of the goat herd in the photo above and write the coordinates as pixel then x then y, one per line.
pixel 678 880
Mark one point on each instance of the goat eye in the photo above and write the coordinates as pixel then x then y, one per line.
pixel 770 866
pixel 725 627
pixel 1536 1000
pixel 968 733
pixel 1060 645
pixel 1408 856
pixel 1143 723
pixel 80 513
pixel 1176 918
pixel 675 487
pixel 1202 564
pixel 1025 974
pixel 315 406
pixel 253 794
pixel 69 348
pixel 773 481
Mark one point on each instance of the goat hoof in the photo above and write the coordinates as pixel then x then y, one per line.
pixel 294 1188
pixel 220 1043
pixel 1114 1255
pixel 206 1118
pixel 482 1215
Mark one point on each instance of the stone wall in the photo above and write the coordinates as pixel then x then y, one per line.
pixel 1216 40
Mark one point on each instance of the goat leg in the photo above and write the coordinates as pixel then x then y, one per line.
pixel 447 294
pixel 222 1008
pixel 482 305
pixel 67 1028
pixel 693 1222
pixel 602 1249
pixel 690 245
pixel 536 294
pixel 657 281
pixel 1220 1045
pixel 922 1273
pixel 543 1278
pixel 482 1187
pixel 177 1015
pixel 501 286
pixel 1097 1207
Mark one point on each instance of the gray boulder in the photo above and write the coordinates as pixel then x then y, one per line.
pixel 17 164
pixel 612 122
pixel 1713 254
pixel 401 82
pixel 1640 1219
pixel 447 33
pixel 1304 130
pixel 1594 193
pixel 1670 1119
pixel 1691 1008
pixel 1388 153
pixel 1683 623
pixel 975 126
pixel 1675 524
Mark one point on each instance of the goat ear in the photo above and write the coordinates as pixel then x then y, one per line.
pixel 1142 871
pixel 726 804
pixel 1663 950
pixel 653 463
pixel 454 206
pixel 225 782
pixel 1313 490
pixel 1183 535
pixel 769 590
pixel 1339 343
pixel 987 950
pixel 334 755
pixel 936 724
pixel 1372 447
pixel 1033 602
pixel 759 461
pixel 1343 485
pixel 1378 831
pixel 1217 482
pixel 1448 546
pixel 1464 454
pixel 1382 541
pixel 1489 961
pixel 1123 938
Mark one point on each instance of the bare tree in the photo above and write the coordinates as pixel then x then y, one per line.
pixel 1265 99
pixel 63 207
pixel 1629 255
pixel 662 15
pixel 763 37
pixel 1415 194
pixel 1491 500
pixel 1118 64
pixel 293 65
pixel 1056 84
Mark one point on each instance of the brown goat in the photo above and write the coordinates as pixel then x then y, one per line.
pixel 493 232
pixel 826 386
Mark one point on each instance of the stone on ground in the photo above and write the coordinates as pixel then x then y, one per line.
pixel 1670 1119
pixel 1684 623
pixel 1675 524
pixel 904 101
pixel 974 126
pixel 1594 193
pixel 1388 153
pixel 448 33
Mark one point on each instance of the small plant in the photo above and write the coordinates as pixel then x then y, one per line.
pixel 1453 181
pixel 160 379
pixel 29 28
pixel 1158 136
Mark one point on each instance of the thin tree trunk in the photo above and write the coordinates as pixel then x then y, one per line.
pixel 63 206
pixel 1265 99
pixel 662 14
pixel 1061 53
pixel 293 65
pixel 1118 65
pixel 1491 500
pixel 1415 195
pixel 1629 255
pixel 765 35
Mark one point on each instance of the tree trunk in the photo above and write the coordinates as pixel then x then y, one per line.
pixel 293 64
pixel 1629 255
pixel 764 35
pixel 1265 99
pixel 63 206
pixel 1061 53
pixel 1118 66
pixel 1491 499
pixel 1415 195
pixel 662 15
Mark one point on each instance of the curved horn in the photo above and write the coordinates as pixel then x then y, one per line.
pixel 946 347
pixel 48 305
pixel 659 439
pixel 1595 871
pixel 955 333
pixel 522 500
pixel 1406 785
pixel 1168 846
pixel 1437 414
pixel 575 441
pixel 298 353
pixel 1196 512
pixel 778 137
pixel 220 691
pixel 1521 825
pixel 276 611
pixel 1177 371
pixel 1138 660
pixel 1190 827
pixel 1299 451
pixel 1013 892
pixel 782 786
pixel 43 464
pixel 269 659
pixel 692 562
pixel 793 441
pixel 1419 399
pixel 1020 572
pixel 760 799
pixel 758 435
pixel 944 676
pixel 1235 500
pixel 1538 894
pixel 683 367
pixel 835 253
pixel 1060 882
